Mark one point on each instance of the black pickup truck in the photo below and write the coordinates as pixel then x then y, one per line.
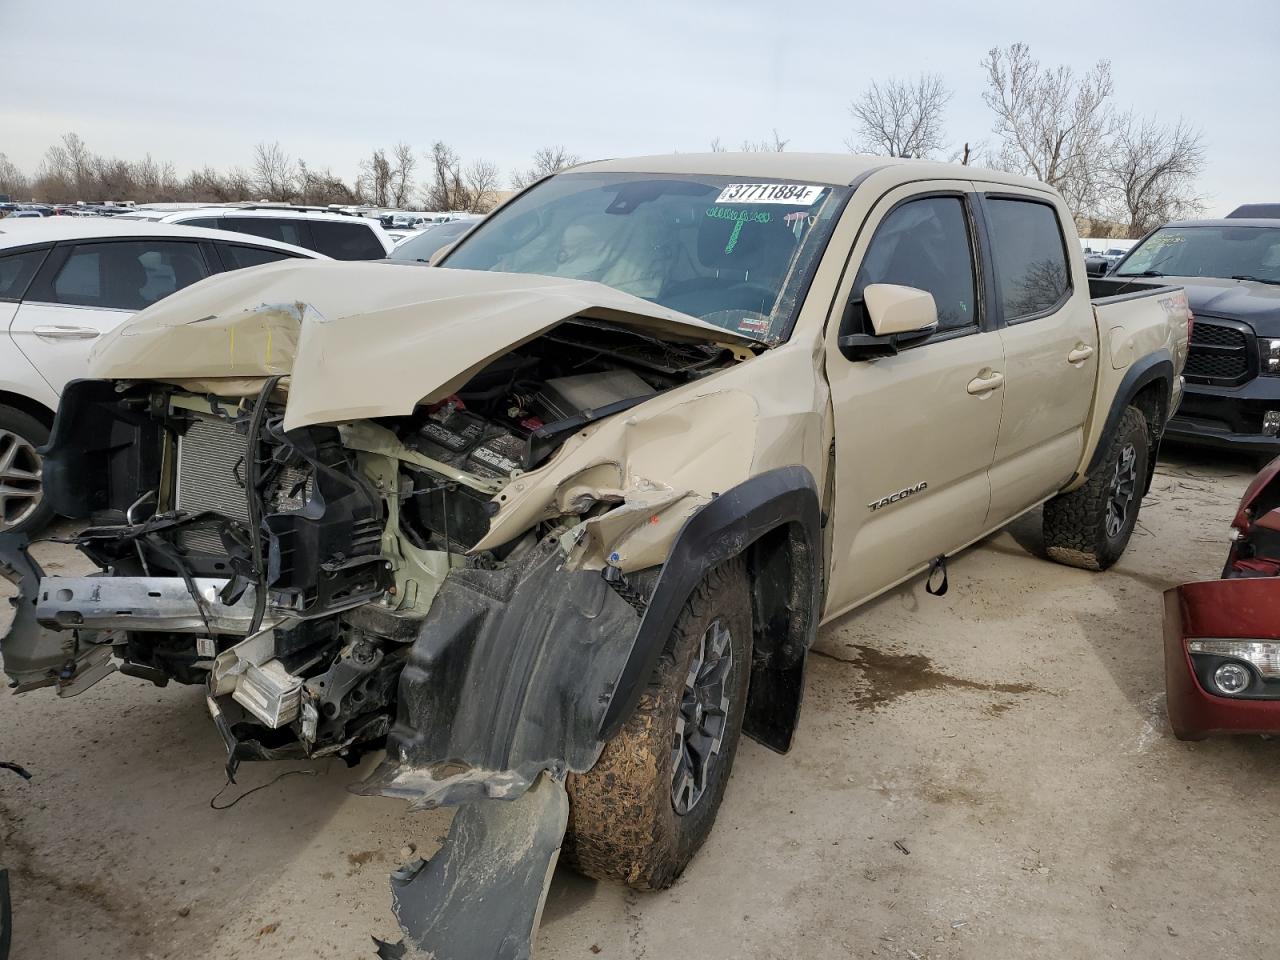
pixel 1231 272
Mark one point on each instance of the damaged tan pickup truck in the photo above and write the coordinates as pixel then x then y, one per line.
pixel 557 520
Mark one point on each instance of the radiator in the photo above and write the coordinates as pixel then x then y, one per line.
pixel 210 472
pixel 210 455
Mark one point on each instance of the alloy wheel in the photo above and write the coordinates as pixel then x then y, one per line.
pixel 1121 491
pixel 704 717
pixel 20 489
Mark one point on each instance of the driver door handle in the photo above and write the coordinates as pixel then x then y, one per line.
pixel 1081 353
pixel 62 332
pixel 985 382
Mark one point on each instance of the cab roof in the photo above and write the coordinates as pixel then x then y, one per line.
pixel 831 168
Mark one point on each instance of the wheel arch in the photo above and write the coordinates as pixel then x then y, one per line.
pixel 774 520
pixel 24 404
pixel 1149 382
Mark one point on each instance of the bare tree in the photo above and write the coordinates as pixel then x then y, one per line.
pixel 323 187
pixel 1151 169
pixel 776 145
pixel 482 181
pixel 901 118
pixel 374 183
pixel 546 161
pixel 13 182
pixel 445 189
pixel 206 185
pixel 1053 125
pixel 149 179
pixel 67 171
pixel 239 184
pixel 400 184
pixel 768 145
pixel 275 175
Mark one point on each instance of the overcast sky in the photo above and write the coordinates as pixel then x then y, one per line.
pixel 202 82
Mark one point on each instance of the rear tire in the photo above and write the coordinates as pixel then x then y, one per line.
pixel 23 508
pixel 641 813
pixel 1091 526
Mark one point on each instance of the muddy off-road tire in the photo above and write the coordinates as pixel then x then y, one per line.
pixel 624 824
pixel 1090 526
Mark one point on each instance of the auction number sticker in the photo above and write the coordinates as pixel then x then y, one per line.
pixel 792 194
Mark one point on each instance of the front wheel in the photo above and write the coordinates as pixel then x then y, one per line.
pixel 1091 526
pixel 641 813
pixel 22 505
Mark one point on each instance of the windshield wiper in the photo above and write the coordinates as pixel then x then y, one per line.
pixel 1245 276
pixel 1145 273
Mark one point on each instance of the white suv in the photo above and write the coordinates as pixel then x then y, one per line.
pixel 333 234
pixel 65 281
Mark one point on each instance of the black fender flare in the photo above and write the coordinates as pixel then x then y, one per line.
pixel 1154 368
pixel 780 508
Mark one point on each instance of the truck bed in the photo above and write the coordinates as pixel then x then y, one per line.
pixel 1142 324
pixel 1114 289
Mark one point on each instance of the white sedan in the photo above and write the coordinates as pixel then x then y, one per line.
pixel 65 281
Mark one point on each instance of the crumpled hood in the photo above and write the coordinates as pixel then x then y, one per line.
pixel 362 339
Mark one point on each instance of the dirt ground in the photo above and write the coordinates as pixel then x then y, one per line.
pixel 986 775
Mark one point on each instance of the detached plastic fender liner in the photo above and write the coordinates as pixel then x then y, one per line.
pixel 481 895
pixel 510 675
pixel 721 530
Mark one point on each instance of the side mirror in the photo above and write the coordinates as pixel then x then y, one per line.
pixel 894 309
pixel 900 316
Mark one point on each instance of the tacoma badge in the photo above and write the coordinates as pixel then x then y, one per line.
pixel 902 494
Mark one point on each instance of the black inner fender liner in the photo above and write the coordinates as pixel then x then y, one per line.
pixel 723 529
pixel 510 675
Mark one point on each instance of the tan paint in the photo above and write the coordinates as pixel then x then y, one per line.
pixel 948 440
pixel 900 421
pixel 424 331
pixel 897 309
pixel 1146 332
pixel 1121 348
pixel 1047 393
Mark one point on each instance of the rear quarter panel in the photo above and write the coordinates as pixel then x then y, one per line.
pixel 1132 329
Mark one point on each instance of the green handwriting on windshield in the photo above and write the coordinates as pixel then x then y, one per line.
pixel 739 217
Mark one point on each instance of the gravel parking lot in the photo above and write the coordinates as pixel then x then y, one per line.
pixel 989 774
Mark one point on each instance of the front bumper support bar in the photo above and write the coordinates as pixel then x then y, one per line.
pixel 142 603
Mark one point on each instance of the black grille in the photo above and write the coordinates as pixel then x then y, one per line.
pixel 1218 353
pixel 1211 334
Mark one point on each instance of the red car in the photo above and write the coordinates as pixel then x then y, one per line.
pixel 1222 637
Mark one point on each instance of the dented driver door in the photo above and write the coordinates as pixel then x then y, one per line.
pixel 915 434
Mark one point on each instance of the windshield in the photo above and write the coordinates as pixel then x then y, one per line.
pixel 421 246
pixel 734 254
pixel 1208 251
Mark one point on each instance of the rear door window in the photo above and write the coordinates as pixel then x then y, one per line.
pixel 212 223
pixel 126 275
pixel 16 271
pixel 346 241
pixel 273 228
pixel 235 257
pixel 1030 257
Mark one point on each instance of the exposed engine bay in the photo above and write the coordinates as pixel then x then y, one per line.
pixel 291 571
